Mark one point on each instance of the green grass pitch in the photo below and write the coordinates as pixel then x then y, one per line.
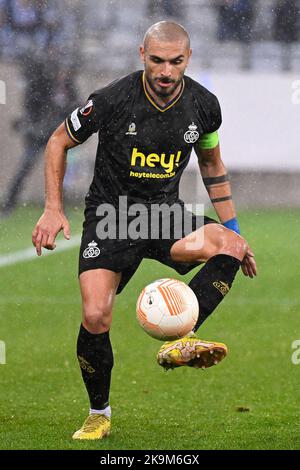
pixel 250 401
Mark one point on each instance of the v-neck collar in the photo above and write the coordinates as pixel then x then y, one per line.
pixel 169 105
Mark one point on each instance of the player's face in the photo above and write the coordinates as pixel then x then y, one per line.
pixel 165 64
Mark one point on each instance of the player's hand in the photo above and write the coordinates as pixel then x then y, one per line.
pixel 47 228
pixel 249 264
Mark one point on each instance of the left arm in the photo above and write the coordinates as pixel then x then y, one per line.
pixel 217 184
pixel 216 181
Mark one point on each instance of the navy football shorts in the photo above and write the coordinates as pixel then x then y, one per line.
pixel 124 255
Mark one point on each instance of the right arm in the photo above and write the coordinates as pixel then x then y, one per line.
pixel 53 219
pixel 80 125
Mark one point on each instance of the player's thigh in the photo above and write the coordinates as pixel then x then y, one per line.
pixel 98 290
pixel 208 241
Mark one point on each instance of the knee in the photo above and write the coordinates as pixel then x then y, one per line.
pixel 242 247
pixel 239 246
pixel 96 317
pixel 232 244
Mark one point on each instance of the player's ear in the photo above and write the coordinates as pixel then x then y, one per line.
pixel 142 53
pixel 188 57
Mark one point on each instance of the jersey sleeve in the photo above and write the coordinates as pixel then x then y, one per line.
pixel 84 120
pixel 207 108
pixel 99 110
pixel 215 115
pixel 209 141
pixel 210 109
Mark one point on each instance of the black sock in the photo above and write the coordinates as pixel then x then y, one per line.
pixel 95 358
pixel 212 283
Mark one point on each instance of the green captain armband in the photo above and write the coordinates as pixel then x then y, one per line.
pixel 209 141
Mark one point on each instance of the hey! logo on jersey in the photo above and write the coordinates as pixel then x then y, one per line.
pixel 155 160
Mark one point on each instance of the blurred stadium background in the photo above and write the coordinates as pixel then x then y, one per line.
pixel 247 52
pixel 52 55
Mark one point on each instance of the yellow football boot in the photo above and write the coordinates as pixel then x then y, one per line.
pixel 192 352
pixel 96 426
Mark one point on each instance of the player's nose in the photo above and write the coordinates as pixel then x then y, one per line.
pixel 166 70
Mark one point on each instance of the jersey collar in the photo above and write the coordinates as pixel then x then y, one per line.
pixel 169 105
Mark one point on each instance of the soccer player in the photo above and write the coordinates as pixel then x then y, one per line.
pixel 148 124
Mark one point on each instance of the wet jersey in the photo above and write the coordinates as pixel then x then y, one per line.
pixel 143 148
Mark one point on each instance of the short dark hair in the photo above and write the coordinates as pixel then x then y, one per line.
pixel 166 31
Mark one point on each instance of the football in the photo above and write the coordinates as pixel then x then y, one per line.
pixel 167 309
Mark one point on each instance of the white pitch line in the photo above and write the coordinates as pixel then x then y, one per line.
pixel 30 253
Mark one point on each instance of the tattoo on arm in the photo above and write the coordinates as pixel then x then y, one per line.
pixel 221 199
pixel 215 180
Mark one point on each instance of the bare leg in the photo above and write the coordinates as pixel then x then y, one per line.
pixel 94 351
pixel 216 240
pixel 223 250
pixel 98 289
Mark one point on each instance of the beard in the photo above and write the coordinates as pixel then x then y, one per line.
pixel 160 91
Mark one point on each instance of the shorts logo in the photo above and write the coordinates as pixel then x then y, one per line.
pixel 222 287
pixel 92 250
pixel 192 135
pixel 131 129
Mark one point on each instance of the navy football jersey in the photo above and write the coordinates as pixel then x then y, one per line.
pixel 143 148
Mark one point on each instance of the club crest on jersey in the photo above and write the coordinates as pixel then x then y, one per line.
pixel 87 108
pixel 131 129
pixel 192 135
pixel 92 250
